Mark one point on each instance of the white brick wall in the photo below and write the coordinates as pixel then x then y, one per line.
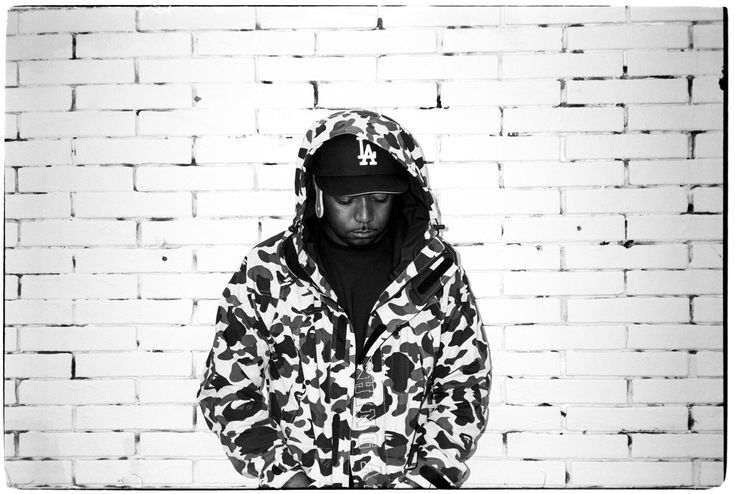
pixel 576 153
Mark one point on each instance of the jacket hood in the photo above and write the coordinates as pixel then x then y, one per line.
pixel 381 131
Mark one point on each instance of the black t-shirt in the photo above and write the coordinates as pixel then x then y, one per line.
pixel 358 275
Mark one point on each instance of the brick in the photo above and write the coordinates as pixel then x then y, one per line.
pixel 316 68
pixel 282 121
pixel 226 258
pixel 256 95
pixel 630 473
pixel 9 392
pixel 627 146
pixel 78 232
pixel 677 445
pixel 195 122
pixel 49 73
pixel 562 119
pixel 44 339
pixel 254 43
pixel 628 309
pixel 72 286
pixel 618 256
pixel 76 392
pixel 449 121
pixel 674 282
pixel 663 199
pixel 9 445
pixel 675 227
pixel 526 363
pixel 708 36
pixel 392 67
pixel 581 363
pixel 502 93
pixel 705 256
pixel 704 171
pixel 485 284
pixel 529 418
pixel 77 20
pixel 138 472
pixel 501 473
pixel 204 69
pixel 220 472
pixel 704 390
pixel 709 199
pixel 38 152
pixel 628 37
pixel 156 178
pixel 704 418
pixel 509 257
pixel 551 228
pixel 272 226
pixel 136 260
pixel 11 287
pixel 672 337
pixel 37 98
pixel 566 391
pixel 394 16
pixel 100 417
pixel 708 145
pixel 651 62
pixel 11 74
pixel 176 338
pixel 132 204
pixel 11 234
pixel 13 21
pixel 670 117
pixel 121 45
pixel 44 418
pixel 643 14
pixel 449 176
pixel 133 97
pixel 39 47
pixel 519 310
pixel 478 202
pixel 73 124
pixel 566 15
pixel 706 89
pixel 10 341
pixel 76 444
pixel 376 42
pixel 581 283
pixel 33 365
pixel 53 205
pixel 256 149
pixel 317 17
pixel 603 64
pixel 77 179
pixel 503 39
pixel 540 337
pixel 38 473
pixel 274 177
pixel 489 446
pixel 195 18
pixel 136 150
pixel 492 148
pixel 38 312
pixel 168 390
pixel 200 231
pixel 11 126
pixel 10 181
pixel 133 311
pixel 709 364
pixel 538 445
pixel 186 444
pixel 708 309
pixel 711 473
pixel 133 364
pixel 550 174
pixel 617 419
pixel 183 285
pixel 628 91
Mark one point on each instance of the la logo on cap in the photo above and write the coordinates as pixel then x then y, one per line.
pixel 367 156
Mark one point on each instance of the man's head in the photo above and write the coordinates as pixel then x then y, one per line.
pixel 355 181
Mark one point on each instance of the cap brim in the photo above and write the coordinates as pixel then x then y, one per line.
pixel 366 184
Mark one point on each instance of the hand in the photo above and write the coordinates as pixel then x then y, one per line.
pixel 298 480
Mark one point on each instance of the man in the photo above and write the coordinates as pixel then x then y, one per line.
pixel 349 351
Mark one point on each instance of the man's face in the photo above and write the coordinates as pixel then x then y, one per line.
pixel 358 220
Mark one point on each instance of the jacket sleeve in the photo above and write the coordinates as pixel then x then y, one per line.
pixel 231 393
pixel 458 397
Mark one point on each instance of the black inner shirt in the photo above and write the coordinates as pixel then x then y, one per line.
pixel 358 275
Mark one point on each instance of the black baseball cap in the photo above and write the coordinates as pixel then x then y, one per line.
pixel 349 165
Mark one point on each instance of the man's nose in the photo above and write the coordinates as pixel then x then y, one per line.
pixel 364 213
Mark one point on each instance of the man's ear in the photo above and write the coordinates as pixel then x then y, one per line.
pixel 319 201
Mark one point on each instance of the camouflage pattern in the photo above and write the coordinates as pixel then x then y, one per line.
pixel 284 388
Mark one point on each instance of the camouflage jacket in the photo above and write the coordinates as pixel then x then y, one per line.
pixel 283 387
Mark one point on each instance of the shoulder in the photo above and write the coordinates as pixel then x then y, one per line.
pixel 262 268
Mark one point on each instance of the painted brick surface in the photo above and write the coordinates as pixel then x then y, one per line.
pixel 576 153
